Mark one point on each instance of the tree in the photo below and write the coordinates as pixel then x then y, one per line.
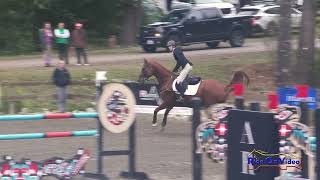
pixel 168 2
pixel 306 51
pixel 20 20
pixel 131 22
pixel 284 44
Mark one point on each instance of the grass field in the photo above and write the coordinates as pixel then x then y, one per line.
pixel 220 68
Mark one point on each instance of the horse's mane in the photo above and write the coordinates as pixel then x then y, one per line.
pixel 158 65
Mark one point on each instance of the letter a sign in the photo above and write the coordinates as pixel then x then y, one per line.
pixel 249 131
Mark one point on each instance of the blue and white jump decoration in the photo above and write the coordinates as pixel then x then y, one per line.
pixel 211 135
pixel 290 96
pixel 291 130
pixel 60 168
pixel 294 135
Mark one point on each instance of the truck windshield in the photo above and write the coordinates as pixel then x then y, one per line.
pixel 175 16
pixel 208 1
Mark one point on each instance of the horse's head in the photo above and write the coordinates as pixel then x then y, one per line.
pixel 146 72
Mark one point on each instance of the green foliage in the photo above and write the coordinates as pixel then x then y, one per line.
pixel 152 12
pixel 20 20
pixel 318 26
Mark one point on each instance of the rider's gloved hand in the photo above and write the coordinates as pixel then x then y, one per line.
pixel 175 73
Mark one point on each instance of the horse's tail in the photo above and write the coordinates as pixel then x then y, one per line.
pixel 238 77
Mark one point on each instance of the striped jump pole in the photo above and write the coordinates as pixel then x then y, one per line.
pixel 39 117
pixel 48 135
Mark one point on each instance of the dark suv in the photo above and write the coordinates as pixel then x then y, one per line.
pixel 195 25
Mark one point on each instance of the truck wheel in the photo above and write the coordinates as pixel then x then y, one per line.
pixel 149 49
pixel 213 44
pixel 237 38
pixel 174 38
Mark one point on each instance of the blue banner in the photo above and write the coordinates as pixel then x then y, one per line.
pixel 287 95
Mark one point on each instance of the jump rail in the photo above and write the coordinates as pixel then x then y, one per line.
pixel 35 117
pixel 48 135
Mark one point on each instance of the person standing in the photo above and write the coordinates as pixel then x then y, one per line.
pixel 46 36
pixel 79 42
pixel 61 78
pixel 62 39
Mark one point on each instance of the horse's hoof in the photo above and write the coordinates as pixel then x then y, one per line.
pixel 154 124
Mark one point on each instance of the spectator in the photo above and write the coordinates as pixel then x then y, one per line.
pixel 79 42
pixel 46 37
pixel 62 39
pixel 61 79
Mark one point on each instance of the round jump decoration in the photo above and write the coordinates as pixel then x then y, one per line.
pixel 116 108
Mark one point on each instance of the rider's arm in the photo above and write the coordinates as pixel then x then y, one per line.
pixel 175 69
pixel 180 55
pixel 181 58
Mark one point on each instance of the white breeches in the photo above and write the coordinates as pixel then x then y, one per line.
pixel 183 74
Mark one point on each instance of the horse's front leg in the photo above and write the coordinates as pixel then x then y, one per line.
pixel 165 117
pixel 154 121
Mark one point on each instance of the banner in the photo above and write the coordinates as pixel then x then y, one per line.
pixel 148 94
pixel 288 96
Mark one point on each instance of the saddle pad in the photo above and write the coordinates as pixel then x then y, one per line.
pixel 191 90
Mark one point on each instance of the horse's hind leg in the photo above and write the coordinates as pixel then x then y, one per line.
pixel 165 117
pixel 155 113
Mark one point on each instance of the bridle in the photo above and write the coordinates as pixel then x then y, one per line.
pixel 167 87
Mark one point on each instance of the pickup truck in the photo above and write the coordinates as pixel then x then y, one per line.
pixel 195 25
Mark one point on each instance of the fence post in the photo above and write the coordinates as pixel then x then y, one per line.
pixel 196 158
pixel 255 106
pixel 100 82
pixel 1 96
pixel 239 103
pixel 317 124
pixel 132 148
pixel 304 120
pixel 100 137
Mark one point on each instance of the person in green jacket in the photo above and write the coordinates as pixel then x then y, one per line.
pixel 62 36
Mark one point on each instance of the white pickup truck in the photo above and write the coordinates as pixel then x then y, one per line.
pixel 225 7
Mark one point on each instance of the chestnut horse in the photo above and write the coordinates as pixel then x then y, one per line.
pixel 210 91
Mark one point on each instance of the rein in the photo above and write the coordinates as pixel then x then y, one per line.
pixel 167 88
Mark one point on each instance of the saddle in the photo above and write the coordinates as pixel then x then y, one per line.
pixel 188 87
pixel 193 80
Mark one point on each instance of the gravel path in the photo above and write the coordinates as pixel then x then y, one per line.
pixel 194 52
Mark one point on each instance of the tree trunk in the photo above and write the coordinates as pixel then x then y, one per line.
pixel 306 51
pixel 131 24
pixel 284 44
pixel 168 3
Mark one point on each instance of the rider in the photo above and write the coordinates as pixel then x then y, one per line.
pixel 183 62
